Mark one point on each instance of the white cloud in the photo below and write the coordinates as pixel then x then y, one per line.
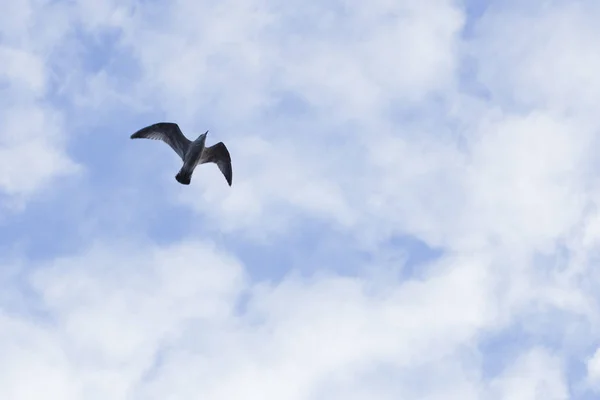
pixel 32 137
pixel 368 61
pixel 552 66
pixel 32 150
pixel 24 70
pixel 535 375
pixel 385 142
pixel 111 309
pixel 121 320
pixel 593 370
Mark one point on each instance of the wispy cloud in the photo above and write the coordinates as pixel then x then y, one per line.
pixel 356 131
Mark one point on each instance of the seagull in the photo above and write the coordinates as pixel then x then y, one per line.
pixel 192 153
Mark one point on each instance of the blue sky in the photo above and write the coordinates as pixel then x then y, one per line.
pixel 413 211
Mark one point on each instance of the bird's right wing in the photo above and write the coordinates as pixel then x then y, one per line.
pixel 169 133
pixel 219 155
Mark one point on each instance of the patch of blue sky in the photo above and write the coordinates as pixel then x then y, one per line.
pixel 499 350
pixel 474 10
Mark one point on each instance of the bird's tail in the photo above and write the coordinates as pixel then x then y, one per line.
pixel 184 176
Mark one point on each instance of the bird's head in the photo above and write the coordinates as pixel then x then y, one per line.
pixel 202 137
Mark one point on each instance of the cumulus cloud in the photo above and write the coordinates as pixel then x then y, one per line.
pixel 32 142
pixel 535 375
pixel 165 323
pixel 359 124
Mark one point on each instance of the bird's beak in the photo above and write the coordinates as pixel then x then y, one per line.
pixel 205 133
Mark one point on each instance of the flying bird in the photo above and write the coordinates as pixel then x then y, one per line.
pixel 192 153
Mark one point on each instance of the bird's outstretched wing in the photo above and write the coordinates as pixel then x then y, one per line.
pixel 219 155
pixel 169 133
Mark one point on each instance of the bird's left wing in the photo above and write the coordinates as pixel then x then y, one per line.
pixel 169 133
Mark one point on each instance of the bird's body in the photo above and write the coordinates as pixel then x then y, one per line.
pixel 192 153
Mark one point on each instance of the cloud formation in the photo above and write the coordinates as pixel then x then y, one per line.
pixel 414 213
